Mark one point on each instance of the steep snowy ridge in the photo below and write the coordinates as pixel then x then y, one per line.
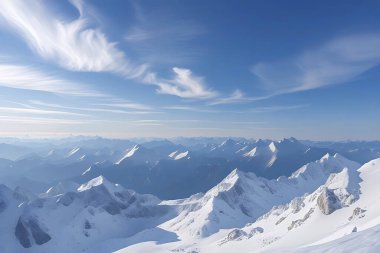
pixel 262 150
pixel 344 204
pixel 242 196
pixel 173 154
pixel 99 181
pixel 77 153
pixel 315 174
pixel 140 155
pixel 130 153
pixel 176 155
pixel 251 153
pixel 181 155
pixel 74 151
pixel 272 147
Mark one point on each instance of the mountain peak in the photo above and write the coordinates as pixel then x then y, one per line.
pixel 336 156
pixel 229 142
pixel 228 182
pixel 291 139
pixel 339 156
pixel 235 173
pixel 130 153
pixel 181 155
pixel 272 147
pixel 134 149
pixel 251 153
pixel 326 165
pixel 325 157
pixel 74 151
pixel 261 142
pixel 96 182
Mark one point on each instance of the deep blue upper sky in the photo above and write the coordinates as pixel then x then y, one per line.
pixel 261 69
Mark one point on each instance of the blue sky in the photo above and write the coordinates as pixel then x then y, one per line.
pixel 260 69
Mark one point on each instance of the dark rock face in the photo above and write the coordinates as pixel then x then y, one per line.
pixel 112 208
pixel 131 200
pixel 236 234
pixel 22 234
pixel 67 198
pixel 357 213
pixel 254 231
pixel 328 202
pixel 87 227
pixel 280 220
pixel 40 236
pixel 24 229
pixel 299 222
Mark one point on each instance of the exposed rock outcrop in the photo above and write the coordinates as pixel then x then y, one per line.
pixel 31 227
pixel 327 201
pixel 357 213
pixel 22 234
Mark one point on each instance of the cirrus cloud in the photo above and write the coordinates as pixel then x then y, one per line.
pixel 338 61
pixel 72 44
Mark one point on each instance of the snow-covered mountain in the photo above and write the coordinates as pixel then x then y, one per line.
pixel 242 197
pixel 220 195
pixel 316 207
pixel 339 215
pixel 74 219
pixel 359 151
pixel 161 167
pixel 343 205
pixel 174 171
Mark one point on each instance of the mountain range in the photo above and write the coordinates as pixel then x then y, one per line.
pixel 165 196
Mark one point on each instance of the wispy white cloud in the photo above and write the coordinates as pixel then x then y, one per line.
pixel 29 78
pixel 38 111
pixel 39 120
pixel 236 97
pixel 338 61
pixel 93 109
pixel 276 108
pixel 257 109
pixel 190 108
pixel 79 45
pixel 143 123
pixel 160 39
pixel 73 44
pixel 127 105
pixel 184 84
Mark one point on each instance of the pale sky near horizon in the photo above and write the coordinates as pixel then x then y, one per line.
pixel 121 69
